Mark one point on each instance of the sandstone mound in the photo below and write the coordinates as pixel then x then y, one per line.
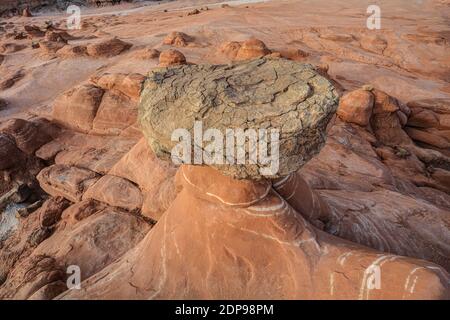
pixel 171 58
pixel 115 113
pixel 72 51
pixel 129 84
pixel 77 108
pixel 29 135
pixel 272 94
pixel 356 107
pixel 252 48
pixel 93 152
pixel 107 48
pixel 178 39
pixel 116 192
pixel 230 49
pixel 105 105
pixel 146 54
pixel 18 141
pixel 246 50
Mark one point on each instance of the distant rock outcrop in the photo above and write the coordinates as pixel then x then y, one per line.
pixel 171 58
pixel 250 49
pixel 178 39
pixel 107 48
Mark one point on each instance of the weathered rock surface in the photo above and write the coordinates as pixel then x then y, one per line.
pixel 10 155
pixel 26 12
pixel 116 112
pixel 68 182
pixel 10 79
pixel 15 250
pixel 413 228
pixel 359 172
pixel 306 201
pixel 116 192
pixel 49 48
pixel 429 138
pixel 58 36
pixel 271 94
pixel 34 31
pixel 28 135
pixel 51 211
pixel 34 273
pixel 76 108
pixel 245 50
pixel 95 153
pixel 356 107
pixel 72 51
pixel 429 124
pixel 88 234
pixel 153 176
pixel 210 253
pixel 294 54
pixel 11 47
pixel 128 84
pixel 91 235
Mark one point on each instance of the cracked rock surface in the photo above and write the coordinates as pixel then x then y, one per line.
pixel 261 94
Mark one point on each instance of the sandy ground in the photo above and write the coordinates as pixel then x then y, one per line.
pixel 281 25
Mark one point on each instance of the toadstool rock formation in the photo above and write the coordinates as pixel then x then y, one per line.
pixel 171 58
pixel 228 238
